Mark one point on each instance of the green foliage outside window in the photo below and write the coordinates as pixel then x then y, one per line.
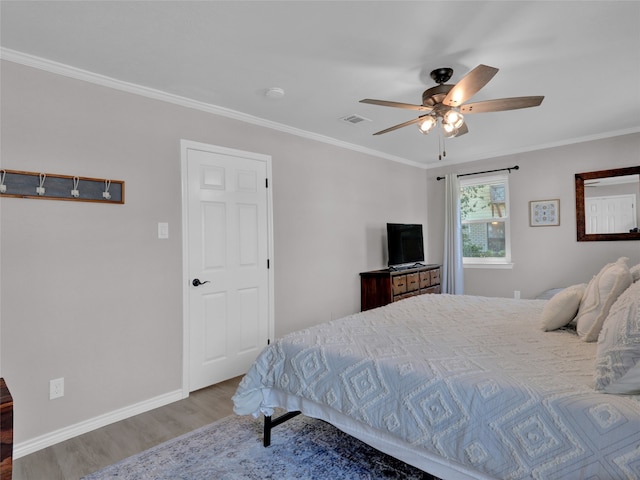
pixel 483 229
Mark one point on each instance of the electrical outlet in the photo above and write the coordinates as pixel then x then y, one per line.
pixel 516 294
pixel 56 388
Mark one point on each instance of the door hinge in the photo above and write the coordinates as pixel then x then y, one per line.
pixel 268 341
pixel 266 182
pixel 268 264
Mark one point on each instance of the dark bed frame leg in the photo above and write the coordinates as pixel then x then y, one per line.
pixel 270 423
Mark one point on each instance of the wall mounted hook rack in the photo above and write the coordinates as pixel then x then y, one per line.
pixel 61 187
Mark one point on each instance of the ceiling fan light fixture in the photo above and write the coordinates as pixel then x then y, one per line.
pixel 427 124
pixel 454 118
pixel 449 129
pixel 452 134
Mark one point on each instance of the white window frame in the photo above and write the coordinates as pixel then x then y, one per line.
pixel 492 262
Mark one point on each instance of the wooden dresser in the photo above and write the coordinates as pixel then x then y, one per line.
pixel 6 432
pixel 380 287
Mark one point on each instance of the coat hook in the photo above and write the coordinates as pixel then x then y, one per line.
pixel 40 189
pixel 75 192
pixel 106 194
pixel 3 187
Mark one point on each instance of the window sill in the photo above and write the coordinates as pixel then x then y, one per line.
pixel 497 266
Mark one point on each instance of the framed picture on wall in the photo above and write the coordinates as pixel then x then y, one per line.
pixel 544 213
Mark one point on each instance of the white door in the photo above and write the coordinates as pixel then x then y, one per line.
pixel 610 214
pixel 227 246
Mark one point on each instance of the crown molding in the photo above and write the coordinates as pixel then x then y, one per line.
pixel 109 82
pixel 545 146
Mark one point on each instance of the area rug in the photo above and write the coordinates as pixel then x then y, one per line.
pixel 232 449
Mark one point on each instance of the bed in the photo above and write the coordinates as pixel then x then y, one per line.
pixel 462 387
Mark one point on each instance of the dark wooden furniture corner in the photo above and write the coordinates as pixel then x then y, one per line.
pixel 6 432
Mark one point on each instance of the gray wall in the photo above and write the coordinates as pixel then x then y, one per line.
pixel 543 257
pixel 89 293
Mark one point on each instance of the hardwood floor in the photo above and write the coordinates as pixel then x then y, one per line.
pixel 79 456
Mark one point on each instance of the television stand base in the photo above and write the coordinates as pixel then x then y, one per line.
pixel 398 268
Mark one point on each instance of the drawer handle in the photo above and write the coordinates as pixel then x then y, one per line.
pixel 401 284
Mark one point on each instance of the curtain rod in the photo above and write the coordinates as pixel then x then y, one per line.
pixel 515 167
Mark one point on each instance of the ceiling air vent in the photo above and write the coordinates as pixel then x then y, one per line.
pixel 354 119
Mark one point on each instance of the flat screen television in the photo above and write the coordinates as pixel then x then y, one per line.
pixel 405 244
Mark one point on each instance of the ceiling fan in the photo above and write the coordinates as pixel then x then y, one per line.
pixel 445 103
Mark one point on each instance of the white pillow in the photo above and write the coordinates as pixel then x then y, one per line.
pixel 562 307
pixel 602 291
pixel 618 354
pixel 635 272
pixel 628 384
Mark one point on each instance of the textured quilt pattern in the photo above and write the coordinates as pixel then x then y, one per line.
pixel 472 379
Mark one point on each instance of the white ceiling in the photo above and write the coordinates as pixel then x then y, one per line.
pixel 327 55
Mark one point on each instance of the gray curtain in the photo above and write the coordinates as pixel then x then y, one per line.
pixel 452 271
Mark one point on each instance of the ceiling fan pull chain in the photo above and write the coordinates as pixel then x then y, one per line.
pixel 442 147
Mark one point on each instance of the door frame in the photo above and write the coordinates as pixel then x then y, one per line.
pixel 186 145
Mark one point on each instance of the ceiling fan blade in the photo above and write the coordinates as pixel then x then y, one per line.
pixel 470 84
pixel 395 127
pixel 386 103
pixel 501 104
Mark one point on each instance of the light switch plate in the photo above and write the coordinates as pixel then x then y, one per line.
pixel 56 388
pixel 163 230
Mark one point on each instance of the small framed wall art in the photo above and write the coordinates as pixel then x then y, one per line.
pixel 544 213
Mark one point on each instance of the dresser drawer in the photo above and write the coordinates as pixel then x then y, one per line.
pixel 399 284
pixel 435 276
pixel 406 295
pixel 413 282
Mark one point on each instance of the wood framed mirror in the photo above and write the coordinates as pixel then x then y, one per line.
pixel 606 205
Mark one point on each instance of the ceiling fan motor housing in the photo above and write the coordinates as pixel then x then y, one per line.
pixel 441 75
pixel 435 95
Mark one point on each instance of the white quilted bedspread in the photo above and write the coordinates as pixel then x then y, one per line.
pixel 472 379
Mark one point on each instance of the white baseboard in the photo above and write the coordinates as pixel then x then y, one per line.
pixel 30 446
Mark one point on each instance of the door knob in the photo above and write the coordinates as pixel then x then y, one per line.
pixel 196 282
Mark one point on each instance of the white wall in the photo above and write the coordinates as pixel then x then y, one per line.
pixel 543 257
pixel 88 291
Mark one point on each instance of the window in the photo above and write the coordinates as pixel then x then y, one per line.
pixel 484 211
